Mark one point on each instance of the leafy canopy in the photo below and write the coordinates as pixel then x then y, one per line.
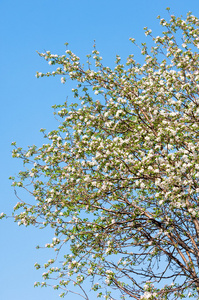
pixel 118 179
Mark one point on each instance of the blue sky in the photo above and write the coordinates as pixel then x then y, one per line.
pixel 27 26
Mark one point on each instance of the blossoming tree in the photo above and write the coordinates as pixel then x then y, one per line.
pixel 118 180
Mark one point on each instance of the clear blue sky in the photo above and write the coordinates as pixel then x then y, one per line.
pixel 27 26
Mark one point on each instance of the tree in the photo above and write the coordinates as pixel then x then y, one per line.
pixel 118 180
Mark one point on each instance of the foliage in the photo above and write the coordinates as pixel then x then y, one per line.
pixel 118 179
